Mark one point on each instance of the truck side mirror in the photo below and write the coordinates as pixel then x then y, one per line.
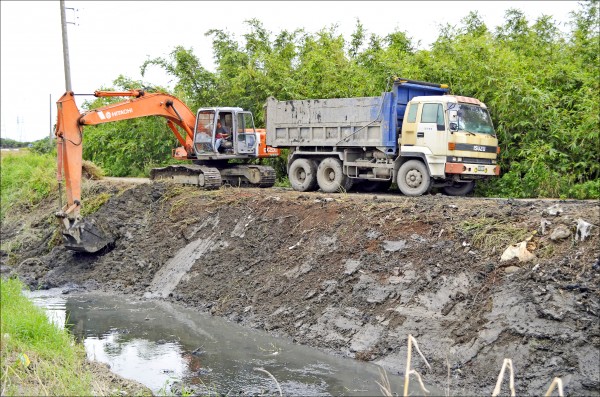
pixel 453 115
pixel 453 126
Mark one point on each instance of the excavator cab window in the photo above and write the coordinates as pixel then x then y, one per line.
pixel 223 133
pixel 245 135
pixel 227 121
pixel 204 131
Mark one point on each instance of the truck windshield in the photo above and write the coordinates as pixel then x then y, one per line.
pixel 472 118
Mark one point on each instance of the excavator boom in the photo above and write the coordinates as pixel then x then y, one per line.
pixel 80 235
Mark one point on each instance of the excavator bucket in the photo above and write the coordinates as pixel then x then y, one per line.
pixel 85 236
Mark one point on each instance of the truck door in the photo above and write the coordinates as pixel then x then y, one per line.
pixel 408 135
pixel 245 135
pixel 431 132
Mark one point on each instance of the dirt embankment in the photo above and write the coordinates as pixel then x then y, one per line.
pixel 355 274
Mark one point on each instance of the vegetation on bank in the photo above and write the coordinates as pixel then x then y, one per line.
pixel 38 358
pixel 29 176
pixel 25 179
pixel 7 143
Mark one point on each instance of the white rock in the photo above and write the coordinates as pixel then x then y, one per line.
pixel 554 210
pixel 560 232
pixel 517 251
pixel 583 229
pixel 543 224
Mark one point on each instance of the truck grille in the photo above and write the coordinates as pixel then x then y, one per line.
pixel 470 160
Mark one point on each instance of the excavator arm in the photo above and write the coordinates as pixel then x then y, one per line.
pixel 78 234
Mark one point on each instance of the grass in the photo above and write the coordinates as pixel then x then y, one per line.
pixel 490 232
pixel 91 171
pixel 25 179
pixel 283 182
pixel 37 358
pixel 91 204
pixel 28 178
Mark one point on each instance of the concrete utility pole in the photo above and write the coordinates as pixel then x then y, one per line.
pixel 63 22
pixel 50 123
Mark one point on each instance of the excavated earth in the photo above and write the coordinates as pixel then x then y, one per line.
pixel 354 274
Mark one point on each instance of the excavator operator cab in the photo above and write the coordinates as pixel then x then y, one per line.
pixel 235 136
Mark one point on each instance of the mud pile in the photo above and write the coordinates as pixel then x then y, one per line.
pixel 355 274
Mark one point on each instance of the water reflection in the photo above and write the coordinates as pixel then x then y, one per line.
pixel 159 363
pixel 157 343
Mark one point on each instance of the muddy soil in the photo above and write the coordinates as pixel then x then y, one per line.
pixel 355 274
pixel 106 383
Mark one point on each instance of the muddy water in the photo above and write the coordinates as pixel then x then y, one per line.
pixel 164 346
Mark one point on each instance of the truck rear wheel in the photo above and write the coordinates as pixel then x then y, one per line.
pixel 303 175
pixel 459 189
pixel 330 176
pixel 413 178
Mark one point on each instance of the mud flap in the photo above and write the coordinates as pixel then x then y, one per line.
pixel 85 236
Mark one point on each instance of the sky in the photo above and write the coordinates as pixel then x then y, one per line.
pixel 109 38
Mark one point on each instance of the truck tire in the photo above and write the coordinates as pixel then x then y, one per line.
pixel 349 184
pixel 459 189
pixel 373 186
pixel 413 178
pixel 330 176
pixel 303 175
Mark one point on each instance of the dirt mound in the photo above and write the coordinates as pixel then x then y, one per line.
pixel 354 274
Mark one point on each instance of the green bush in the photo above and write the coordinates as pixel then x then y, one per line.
pixel 44 146
pixel 26 179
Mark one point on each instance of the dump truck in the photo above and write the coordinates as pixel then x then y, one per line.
pixel 416 135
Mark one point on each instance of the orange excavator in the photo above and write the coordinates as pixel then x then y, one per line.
pixel 209 138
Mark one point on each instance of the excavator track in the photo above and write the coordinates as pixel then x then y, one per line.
pixel 204 177
pixel 249 175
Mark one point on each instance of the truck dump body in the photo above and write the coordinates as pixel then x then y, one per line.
pixel 370 122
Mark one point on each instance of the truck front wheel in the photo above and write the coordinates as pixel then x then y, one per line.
pixel 303 175
pixel 413 178
pixel 330 176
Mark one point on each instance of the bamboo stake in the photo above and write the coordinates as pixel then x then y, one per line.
pixel 409 371
pixel 556 383
pixel 507 363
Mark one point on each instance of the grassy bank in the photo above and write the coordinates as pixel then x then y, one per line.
pixel 26 179
pixel 37 358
